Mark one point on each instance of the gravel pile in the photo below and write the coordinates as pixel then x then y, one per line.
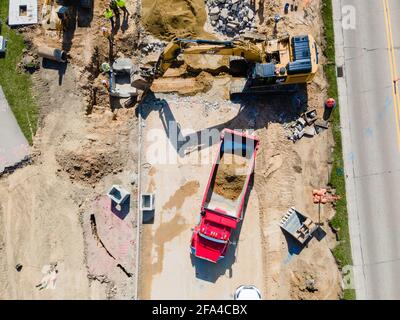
pixel 231 17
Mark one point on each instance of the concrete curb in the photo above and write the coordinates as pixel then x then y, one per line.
pixel 139 185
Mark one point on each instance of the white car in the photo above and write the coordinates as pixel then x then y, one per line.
pixel 247 293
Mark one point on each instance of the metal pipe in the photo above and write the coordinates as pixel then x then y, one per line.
pixel 52 54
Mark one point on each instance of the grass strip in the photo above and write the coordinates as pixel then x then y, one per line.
pixel 17 86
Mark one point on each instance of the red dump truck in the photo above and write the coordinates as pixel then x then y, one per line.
pixel 225 195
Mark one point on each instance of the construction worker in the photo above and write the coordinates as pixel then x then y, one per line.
pixel 122 5
pixel 114 7
pixel 105 84
pixel 107 34
pixel 108 14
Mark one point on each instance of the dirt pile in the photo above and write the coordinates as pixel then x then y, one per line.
pixel 184 86
pixel 167 19
pixel 89 166
pixel 304 286
pixel 230 178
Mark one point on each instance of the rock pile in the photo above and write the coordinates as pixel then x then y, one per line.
pixel 147 48
pixel 231 17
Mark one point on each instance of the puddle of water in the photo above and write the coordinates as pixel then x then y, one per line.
pixel 178 198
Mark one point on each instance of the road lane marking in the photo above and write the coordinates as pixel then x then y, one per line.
pixel 393 66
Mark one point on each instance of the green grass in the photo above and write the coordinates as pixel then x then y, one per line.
pixel 17 86
pixel 342 251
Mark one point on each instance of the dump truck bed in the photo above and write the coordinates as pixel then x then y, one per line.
pixel 230 175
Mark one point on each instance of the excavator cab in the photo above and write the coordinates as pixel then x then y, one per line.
pixel 288 60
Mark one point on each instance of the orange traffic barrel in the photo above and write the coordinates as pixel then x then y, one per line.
pixel 330 103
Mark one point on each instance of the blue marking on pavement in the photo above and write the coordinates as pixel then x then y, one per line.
pixel 369 132
pixel 388 105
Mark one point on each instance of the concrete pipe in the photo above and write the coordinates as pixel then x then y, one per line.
pixel 52 54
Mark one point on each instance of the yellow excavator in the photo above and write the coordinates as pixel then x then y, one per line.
pixel 268 64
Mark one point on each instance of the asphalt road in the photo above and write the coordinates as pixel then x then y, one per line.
pixel 370 111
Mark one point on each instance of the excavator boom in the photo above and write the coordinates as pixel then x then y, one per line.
pixel 246 50
pixel 277 62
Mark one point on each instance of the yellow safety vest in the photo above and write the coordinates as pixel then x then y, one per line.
pixel 108 14
pixel 121 3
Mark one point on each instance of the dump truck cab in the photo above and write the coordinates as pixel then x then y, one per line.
pixel 210 238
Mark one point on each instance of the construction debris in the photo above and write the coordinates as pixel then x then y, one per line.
pixel 50 277
pixel 29 62
pixel 321 196
pixel 231 17
pixel 303 126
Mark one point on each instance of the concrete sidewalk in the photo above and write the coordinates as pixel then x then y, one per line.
pixel 14 147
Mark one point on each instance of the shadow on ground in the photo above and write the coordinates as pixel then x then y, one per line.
pixel 254 112
pixel 61 67
pixel 122 210
pixel 295 248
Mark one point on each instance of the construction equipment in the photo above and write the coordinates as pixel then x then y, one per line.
pixel 268 64
pixel 298 225
pixel 225 195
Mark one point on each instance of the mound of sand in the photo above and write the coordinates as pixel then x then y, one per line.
pixel 167 19
pixel 230 178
